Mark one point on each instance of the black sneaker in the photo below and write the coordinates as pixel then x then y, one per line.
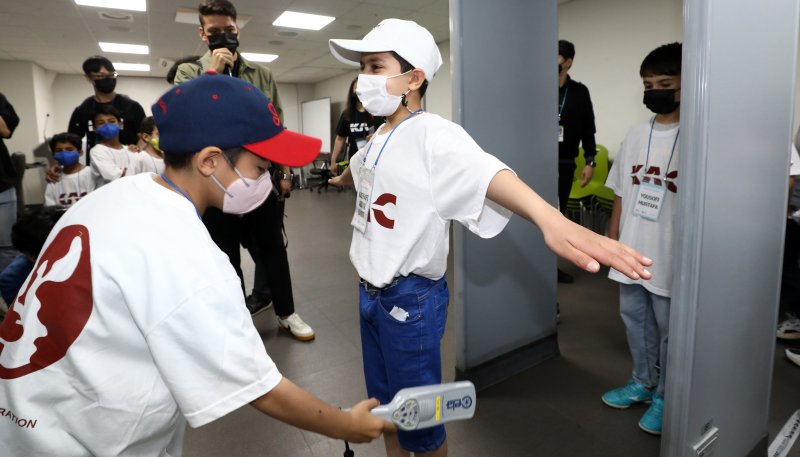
pixel 565 278
pixel 257 304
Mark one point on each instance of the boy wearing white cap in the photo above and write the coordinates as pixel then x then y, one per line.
pixel 418 173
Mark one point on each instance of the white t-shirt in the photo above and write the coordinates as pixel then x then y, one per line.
pixel 431 172
pixel 794 161
pixel 70 188
pixel 108 163
pixel 632 167
pixel 145 163
pixel 132 331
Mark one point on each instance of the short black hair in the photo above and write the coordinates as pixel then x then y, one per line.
pixel 566 49
pixel 174 69
pixel 107 109
pixel 30 232
pixel 147 126
pixel 95 63
pixel 663 60
pixel 405 66
pixel 65 137
pixel 216 8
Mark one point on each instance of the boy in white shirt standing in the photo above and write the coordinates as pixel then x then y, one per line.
pixel 645 181
pixel 417 174
pixel 77 179
pixel 110 159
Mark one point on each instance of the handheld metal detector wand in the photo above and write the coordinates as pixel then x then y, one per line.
pixel 421 407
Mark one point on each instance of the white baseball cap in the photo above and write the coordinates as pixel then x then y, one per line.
pixel 408 39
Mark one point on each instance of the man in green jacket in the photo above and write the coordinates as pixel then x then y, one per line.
pixel 260 231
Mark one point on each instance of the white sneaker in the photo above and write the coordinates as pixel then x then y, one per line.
pixel 789 329
pixel 793 355
pixel 299 329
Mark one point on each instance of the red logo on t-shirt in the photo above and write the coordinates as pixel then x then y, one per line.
pixel 653 174
pixel 380 217
pixel 51 309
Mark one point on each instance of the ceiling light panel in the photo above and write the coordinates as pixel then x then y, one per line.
pixel 304 21
pixel 130 5
pixel 124 48
pixel 256 57
pixel 131 66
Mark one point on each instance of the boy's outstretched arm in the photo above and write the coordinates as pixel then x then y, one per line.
pixel 567 239
pixel 289 403
pixel 344 179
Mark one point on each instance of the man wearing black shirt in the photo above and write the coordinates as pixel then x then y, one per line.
pixel 100 73
pixel 575 126
pixel 8 176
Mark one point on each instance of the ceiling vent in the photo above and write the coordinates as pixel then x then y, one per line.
pixel 115 16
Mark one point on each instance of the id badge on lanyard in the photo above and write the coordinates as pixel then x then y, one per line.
pixel 649 201
pixel 366 179
pixel 560 133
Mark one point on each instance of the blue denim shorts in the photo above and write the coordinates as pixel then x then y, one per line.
pixel 404 353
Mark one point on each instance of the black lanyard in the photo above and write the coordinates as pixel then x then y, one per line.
pixel 650 138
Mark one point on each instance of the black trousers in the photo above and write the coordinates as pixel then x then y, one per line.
pixel 261 233
pixel 566 172
pixel 790 284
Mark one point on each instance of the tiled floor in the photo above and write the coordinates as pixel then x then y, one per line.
pixel 551 410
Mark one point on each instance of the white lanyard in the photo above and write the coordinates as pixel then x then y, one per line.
pixel 650 198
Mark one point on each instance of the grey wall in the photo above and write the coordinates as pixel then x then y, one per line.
pixel 739 63
pixel 504 94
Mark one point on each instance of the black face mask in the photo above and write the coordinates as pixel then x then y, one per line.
pixel 559 69
pixel 229 40
pixel 661 101
pixel 106 85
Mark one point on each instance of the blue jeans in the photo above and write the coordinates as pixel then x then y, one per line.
pixel 646 317
pixel 404 353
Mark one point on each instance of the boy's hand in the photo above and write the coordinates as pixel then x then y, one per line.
pixel 334 167
pixel 53 173
pixel 567 239
pixel 221 57
pixel 363 426
pixel 588 250
pixel 344 179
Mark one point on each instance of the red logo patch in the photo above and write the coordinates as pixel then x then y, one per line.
pixel 52 308
pixel 275 118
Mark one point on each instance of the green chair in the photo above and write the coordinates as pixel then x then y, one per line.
pixel 582 197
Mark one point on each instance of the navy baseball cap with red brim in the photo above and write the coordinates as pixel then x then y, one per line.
pixel 226 112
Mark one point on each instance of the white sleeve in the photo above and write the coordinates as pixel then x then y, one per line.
pixel 103 164
pixel 614 179
pixel 460 173
pixel 50 195
pixel 210 355
pixel 794 164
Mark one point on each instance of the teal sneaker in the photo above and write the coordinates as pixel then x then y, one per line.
pixel 623 397
pixel 653 418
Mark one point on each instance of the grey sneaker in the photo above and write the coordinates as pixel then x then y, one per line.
pixel 299 329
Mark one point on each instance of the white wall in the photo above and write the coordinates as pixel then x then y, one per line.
pixel 17 84
pixel 611 39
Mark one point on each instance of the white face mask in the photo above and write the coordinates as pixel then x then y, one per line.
pixel 244 195
pixel 371 90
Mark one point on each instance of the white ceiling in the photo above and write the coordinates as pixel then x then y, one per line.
pixel 59 35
